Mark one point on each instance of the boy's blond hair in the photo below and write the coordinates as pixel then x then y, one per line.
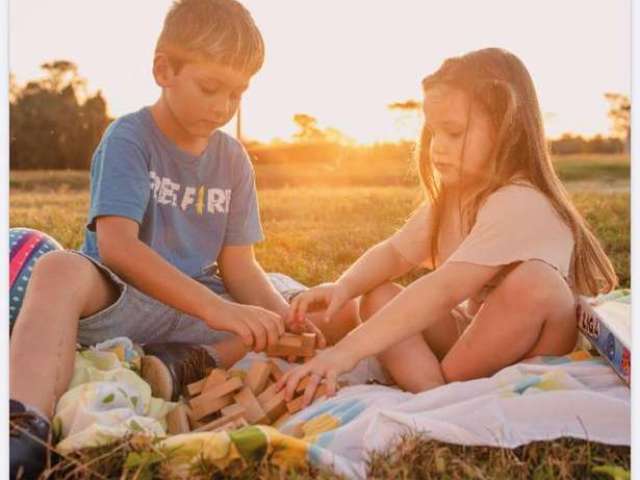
pixel 221 31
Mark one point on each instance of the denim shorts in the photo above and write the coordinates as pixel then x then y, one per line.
pixel 143 319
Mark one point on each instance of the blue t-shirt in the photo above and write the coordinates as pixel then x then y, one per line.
pixel 187 206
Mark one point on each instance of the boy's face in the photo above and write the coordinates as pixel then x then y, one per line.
pixel 202 96
pixel 461 138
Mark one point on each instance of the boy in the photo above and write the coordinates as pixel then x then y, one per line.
pixel 172 201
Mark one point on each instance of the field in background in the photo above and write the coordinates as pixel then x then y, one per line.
pixel 320 216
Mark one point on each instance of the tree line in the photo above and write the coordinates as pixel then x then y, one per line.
pixel 55 124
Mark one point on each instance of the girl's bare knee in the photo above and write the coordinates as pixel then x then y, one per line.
pixel 534 285
pixel 377 298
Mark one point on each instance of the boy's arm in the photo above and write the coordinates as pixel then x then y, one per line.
pixel 379 264
pixel 142 267
pixel 246 281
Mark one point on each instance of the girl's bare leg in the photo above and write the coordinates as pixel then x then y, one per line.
pixel 63 288
pixel 531 312
pixel 413 364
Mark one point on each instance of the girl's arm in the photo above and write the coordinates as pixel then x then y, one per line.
pixel 412 311
pixel 379 264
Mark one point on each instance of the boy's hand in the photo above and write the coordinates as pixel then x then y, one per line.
pixel 256 326
pixel 330 297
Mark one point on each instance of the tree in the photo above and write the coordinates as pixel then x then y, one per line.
pixel 309 130
pixel 54 123
pixel 620 116
pixel 406 106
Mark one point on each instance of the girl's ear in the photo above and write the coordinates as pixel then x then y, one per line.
pixel 162 70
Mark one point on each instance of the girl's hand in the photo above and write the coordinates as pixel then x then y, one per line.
pixel 326 366
pixel 307 327
pixel 330 297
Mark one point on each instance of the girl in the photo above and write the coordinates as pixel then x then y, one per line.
pixel 507 249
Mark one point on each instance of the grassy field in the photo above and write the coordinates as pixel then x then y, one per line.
pixel 318 218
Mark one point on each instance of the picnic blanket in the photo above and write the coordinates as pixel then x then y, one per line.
pixel 577 395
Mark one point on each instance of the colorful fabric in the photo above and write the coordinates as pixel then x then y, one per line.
pixel 543 398
pixel 26 245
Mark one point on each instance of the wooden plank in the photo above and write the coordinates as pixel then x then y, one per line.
pixel 269 392
pixel 215 398
pixel 195 388
pixel 254 412
pixel 275 406
pixel 216 377
pixel 276 372
pixel 212 405
pixel 233 409
pixel 281 419
pixel 308 344
pixel 241 422
pixel 289 344
pixel 257 377
pixel 295 405
pixel 178 421
pixel 219 422
pixel 291 340
pixel 285 351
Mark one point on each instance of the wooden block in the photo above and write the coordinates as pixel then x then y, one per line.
pixel 254 412
pixel 295 405
pixel 216 377
pixel 291 340
pixel 212 405
pixel 257 377
pixel 241 374
pixel 193 422
pixel 289 344
pixel 308 344
pixel 284 351
pixel 215 424
pixel 302 384
pixel 178 421
pixel 241 422
pixel 269 392
pixel 195 388
pixel 275 406
pixel 297 430
pixel 276 372
pixel 215 398
pixel 281 419
pixel 233 409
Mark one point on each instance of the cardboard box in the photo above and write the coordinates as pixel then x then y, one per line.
pixel 607 325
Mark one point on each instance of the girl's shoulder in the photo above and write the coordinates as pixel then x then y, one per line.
pixel 520 196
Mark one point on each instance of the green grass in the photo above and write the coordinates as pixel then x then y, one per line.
pixel 318 220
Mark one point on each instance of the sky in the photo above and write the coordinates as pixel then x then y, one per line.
pixel 344 61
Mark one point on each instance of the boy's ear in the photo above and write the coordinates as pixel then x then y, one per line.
pixel 162 70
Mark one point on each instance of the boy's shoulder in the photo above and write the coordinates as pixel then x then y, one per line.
pixel 132 126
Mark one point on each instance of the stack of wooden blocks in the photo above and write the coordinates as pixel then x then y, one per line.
pixel 228 400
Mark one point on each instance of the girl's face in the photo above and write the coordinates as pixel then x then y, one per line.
pixel 462 138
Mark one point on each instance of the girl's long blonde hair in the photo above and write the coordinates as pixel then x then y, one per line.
pixel 500 83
